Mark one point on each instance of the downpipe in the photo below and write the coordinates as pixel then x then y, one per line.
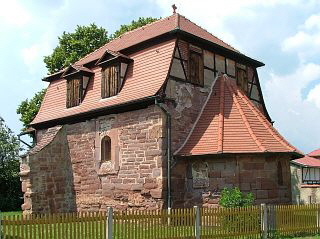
pixel 169 154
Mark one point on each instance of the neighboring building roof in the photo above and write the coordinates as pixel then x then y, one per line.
pixel 307 161
pixel 144 79
pixel 314 153
pixel 230 123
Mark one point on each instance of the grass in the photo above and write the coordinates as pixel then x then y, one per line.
pixel 10 213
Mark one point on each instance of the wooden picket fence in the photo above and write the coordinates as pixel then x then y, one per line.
pixel 285 220
pixel 82 225
pixel 195 223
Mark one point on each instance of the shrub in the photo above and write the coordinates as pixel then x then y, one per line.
pixel 233 197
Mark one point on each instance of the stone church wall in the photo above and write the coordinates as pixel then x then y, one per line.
pixel 67 174
pixel 203 178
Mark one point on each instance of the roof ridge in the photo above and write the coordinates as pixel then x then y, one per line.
pixel 243 116
pixel 209 33
pixel 266 124
pixel 199 115
pixel 125 33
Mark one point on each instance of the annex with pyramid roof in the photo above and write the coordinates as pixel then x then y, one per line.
pixel 166 115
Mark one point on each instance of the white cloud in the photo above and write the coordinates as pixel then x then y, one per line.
pixel 306 42
pixel 314 96
pixel 33 55
pixel 13 13
pixel 294 115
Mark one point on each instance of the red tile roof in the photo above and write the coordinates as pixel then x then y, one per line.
pixel 315 153
pixel 307 161
pixel 157 28
pixel 230 123
pixel 145 77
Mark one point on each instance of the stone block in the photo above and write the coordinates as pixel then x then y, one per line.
pixel 262 194
pixel 150 185
pixel 245 187
pixel 214 174
pixel 137 187
pixel 156 193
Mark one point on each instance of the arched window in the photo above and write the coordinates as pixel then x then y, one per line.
pixel 105 149
pixel 280 176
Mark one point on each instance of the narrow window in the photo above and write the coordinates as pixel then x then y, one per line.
pixel 242 79
pixel 196 68
pixel 280 174
pixel 105 149
pixel 111 81
pixel 74 92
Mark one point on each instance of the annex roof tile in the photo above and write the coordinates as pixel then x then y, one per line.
pixel 230 123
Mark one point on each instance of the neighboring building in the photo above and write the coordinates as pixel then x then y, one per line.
pixel 166 114
pixel 305 178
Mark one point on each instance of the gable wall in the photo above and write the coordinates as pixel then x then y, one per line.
pixel 132 179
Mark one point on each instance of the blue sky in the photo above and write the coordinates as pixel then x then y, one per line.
pixel 284 34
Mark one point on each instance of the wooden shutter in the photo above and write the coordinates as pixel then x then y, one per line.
pixel 242 79
pixel 74 92
pixel 196 68
pixel 110 82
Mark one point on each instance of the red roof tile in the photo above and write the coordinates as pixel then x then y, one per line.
pixel 230 123
pixel 145 77
pixel 308 161
pixel 152 30
pixel 315 153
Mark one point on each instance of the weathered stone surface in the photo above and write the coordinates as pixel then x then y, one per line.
pixel 69 173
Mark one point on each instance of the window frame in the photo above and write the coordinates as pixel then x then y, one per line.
pixel 70 103
pixel 308 173
pixel 200 80
pixel 240 84
pixel 106 157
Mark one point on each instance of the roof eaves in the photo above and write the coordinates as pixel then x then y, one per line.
pixel 112 109
pixel 236 55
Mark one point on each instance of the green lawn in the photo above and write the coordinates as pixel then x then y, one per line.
pixel 10 213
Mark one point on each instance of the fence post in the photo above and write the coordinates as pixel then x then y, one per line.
pixel 169 216
pixel 109 233
pixel 197 223
pixel 318 218
pixel 0 225
pixel 264 224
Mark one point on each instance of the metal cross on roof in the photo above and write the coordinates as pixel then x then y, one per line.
pixel 174 7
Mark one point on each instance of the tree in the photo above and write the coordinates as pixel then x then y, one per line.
pixel 29 108
pixel 10 187
pixel 134 24
pixel 72 47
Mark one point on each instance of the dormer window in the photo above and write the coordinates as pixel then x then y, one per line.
pixel 110 82
pixel 114 67
pixel 74 92
pixel 77 78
